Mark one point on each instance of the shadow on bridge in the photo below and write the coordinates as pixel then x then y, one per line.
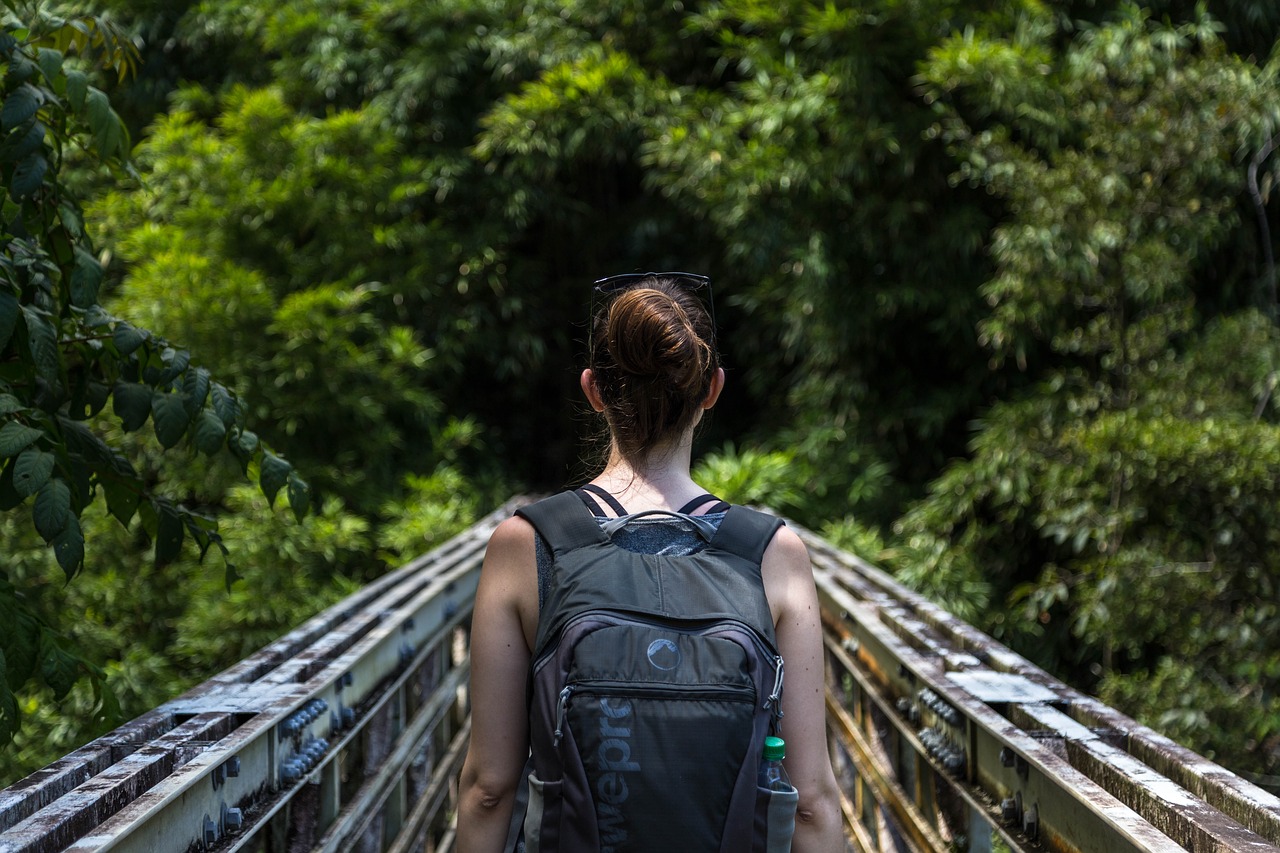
pixel 348 734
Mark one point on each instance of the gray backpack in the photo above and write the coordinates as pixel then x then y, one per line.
pixel 655 682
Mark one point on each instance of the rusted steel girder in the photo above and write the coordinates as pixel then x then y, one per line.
pixel 309 743
pixel 992 753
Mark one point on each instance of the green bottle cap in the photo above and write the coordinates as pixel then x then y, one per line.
pixel 775 749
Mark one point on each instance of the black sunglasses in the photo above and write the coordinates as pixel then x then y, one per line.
pixel 693 282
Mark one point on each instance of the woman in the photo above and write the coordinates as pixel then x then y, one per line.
pixel 653 370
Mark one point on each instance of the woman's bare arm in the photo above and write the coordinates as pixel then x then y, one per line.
pixel 793 597
pixel 505 598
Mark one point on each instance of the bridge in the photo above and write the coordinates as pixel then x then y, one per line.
pixel 347 734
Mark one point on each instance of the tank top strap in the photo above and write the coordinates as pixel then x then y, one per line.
pixel 701 501
pixel 603 494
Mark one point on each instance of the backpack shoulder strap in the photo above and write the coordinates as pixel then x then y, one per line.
pixel 746 532
pixel 564 521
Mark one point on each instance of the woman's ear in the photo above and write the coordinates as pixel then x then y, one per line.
pixel 588 382
pixel 717 385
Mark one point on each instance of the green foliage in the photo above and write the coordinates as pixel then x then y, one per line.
pixel 1137 479
pixel 148 632
pixel 251 224
pixel 1119 162
pixel 983 246
pixel 748 476
pixel 62 356
pixel 433 508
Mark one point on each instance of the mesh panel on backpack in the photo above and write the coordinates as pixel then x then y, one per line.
pixel 655 681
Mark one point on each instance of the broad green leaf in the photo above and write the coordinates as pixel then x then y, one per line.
pixel 10 404
pixel 131 403
pixel 50 62
pixel 16 437
pixel 59 668
pixel 71 219
pixel 209 435
pixel 97 317
pixel 77 89
pixel 21 105
pixel 108 131
pixel 31 470
pixel 169 416
pixel 274 474
pixel 52 509
pixel 28 175
pixel 42 342
pixel 169 534
pixel 23 141
pixel 224 403
pixel 89 446
pixel 299 496
pixel 21 68
pixel 195 388
pixel 127 338
pixel 176 362
pixel 85 279
pixel 68 547
pixel 122 499
pixel 9 310
pixel 244 444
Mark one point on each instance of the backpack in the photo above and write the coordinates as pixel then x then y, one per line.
pixel 655 680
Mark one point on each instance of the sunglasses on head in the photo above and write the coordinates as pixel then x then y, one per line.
pixel 692 282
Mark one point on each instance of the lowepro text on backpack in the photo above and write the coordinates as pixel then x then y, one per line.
pixel 655 682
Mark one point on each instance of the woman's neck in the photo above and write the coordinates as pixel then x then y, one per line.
pixel 658 480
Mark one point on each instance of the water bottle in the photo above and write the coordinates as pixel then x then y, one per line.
pixel 772 775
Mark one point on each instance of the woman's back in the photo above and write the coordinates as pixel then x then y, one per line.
pixel 653 372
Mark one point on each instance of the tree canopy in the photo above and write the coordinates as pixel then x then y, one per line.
pixel 994 280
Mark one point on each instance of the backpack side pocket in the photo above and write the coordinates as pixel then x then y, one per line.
pixel 542 819
pixel 777 809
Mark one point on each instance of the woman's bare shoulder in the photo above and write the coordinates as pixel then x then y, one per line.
pixel 513 534
pixel 786 552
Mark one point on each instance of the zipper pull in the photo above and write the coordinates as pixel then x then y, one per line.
pixel 560 708
pixel 775 698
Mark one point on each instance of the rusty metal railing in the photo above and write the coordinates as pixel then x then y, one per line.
pixel 949 741
pixel 347 735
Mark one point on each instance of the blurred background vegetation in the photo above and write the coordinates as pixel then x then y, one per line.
pixel 995 283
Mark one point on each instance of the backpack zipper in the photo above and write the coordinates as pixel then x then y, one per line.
pixel 560 709
pixel 774 702
pixel 739 693
pixel 768 653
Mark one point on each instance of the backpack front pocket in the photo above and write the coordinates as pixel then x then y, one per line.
pixel 655 758
pixel 653 726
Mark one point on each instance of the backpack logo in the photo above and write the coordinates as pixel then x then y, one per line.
pixel 615 760
pixel 664 654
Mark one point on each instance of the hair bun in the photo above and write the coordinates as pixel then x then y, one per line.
pixel 650 337
pixel 653 358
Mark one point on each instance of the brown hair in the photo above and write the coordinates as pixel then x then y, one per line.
pixel 653 356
